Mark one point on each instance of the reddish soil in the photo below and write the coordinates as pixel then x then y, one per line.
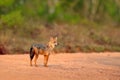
pixel 75 66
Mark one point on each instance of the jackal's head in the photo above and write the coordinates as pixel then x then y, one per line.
pixel 53 42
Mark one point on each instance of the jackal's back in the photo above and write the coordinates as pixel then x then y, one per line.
pixel 40 46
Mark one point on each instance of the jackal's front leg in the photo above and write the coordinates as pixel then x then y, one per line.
pixel 46 60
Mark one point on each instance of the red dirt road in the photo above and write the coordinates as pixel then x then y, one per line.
pixel 76 66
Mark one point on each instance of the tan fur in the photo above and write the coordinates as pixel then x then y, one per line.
pixel 50 46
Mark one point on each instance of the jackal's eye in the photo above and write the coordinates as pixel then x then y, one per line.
pixel 55 42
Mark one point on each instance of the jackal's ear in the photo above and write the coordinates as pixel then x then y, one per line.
pixel 55 38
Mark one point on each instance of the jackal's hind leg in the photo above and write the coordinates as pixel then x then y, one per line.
pixel 30 62
pixel 35 60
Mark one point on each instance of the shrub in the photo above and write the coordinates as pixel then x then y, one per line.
pixel 12 19
pixel 6 3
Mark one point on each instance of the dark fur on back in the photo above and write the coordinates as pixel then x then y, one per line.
pixel 39 46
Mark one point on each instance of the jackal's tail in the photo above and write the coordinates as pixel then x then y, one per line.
pixel 31 53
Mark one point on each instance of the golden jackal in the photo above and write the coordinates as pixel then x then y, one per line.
pixel 42 49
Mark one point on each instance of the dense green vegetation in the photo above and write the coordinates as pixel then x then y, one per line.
pixel 82 25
